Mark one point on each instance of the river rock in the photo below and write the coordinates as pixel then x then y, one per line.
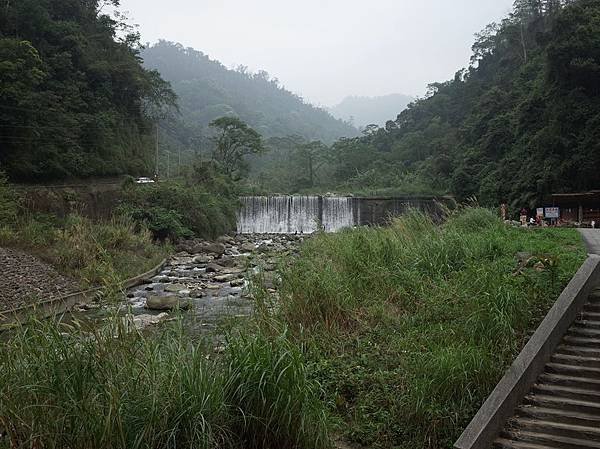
pixel 201 259
pixel 226 261
pixel 174 288
pixel 170 302
pixel 248 247
pixel 215 248
pixel 225 239
pixel 181 261
pixel 213 268
pixel 225 277
pixel 197 248
pixel 237 283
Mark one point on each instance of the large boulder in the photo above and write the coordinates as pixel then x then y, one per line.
pixel 213 268
pixel 201 259
pixel 215 248
pixel 169 302
pixel 226 261
pixel 248 247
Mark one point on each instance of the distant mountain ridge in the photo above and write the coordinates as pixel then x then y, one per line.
pixel 363 111
pixel 208 90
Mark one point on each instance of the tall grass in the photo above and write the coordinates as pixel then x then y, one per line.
pixel 113 389
pixel 411 326
pixel 94 253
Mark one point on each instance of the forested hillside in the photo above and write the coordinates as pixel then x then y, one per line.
pixel 521 122
pixel 208 90
pixel 363 111
pixel 74 98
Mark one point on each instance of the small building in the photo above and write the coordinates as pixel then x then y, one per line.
pixel 578 207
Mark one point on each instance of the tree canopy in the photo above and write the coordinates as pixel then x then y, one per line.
pixel 522 121
pixel 74 98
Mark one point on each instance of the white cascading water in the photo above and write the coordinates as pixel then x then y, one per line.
pixel 338 213
pixel 294 214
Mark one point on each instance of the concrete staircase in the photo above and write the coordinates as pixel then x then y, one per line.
pixel 562 410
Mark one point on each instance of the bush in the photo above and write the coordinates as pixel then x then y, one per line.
pixel 173 210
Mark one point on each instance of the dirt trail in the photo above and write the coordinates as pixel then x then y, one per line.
pixel 25 279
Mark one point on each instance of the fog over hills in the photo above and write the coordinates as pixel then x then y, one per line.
pixel 363 111
pixel 208 90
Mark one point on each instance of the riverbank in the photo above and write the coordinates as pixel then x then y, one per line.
pixel 381 337
pixel 48 256
pixel 408 328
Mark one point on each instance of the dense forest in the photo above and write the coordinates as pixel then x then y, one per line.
pixel 208 90
pixel 74 97
pixel 522 121
pixel 363 111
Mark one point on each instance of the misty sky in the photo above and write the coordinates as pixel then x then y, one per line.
pixel 325 50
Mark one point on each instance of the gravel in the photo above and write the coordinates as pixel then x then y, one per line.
pixel 25 279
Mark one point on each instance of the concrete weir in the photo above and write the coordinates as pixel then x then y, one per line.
pixel 305 214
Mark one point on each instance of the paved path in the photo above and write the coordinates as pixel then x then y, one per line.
pixel 591 238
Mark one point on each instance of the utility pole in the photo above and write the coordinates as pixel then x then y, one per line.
pixel 168 164
pixel 156 162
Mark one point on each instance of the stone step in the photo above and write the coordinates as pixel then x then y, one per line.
pixel 593 307
pixel 570 381
pixel 567 392
pixel 556 428
pixel 594 316
pixel 584 351
pixel 575 405
pixel 582 360
pixel 550 441
pixel 585 331
pixel 572 340
pixel 565 416
pixel 573 370
pixel 591 324
pixel 503 443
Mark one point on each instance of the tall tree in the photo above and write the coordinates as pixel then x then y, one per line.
pixel 234 140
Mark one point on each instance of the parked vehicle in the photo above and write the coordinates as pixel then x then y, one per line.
pixel 144 180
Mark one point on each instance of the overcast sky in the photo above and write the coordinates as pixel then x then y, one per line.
pixel 325 50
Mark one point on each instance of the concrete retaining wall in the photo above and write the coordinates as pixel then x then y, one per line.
pixel 529 364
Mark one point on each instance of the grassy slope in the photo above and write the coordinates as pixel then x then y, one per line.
pixel 410 327
pixel 92 253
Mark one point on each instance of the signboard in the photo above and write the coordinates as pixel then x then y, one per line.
pixel 552 212
pixel 539 212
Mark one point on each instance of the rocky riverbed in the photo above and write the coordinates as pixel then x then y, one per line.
pixel 208 281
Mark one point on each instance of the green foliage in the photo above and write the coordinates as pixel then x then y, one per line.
pixel 208 90
pixel 93 253
pixel 521 122
pixel 174 210
pixel 126 390
pixel 409 327
pixel 74 98
pixel 234 141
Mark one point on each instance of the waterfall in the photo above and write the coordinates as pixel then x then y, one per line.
pixel 294 214
pixel 338 213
